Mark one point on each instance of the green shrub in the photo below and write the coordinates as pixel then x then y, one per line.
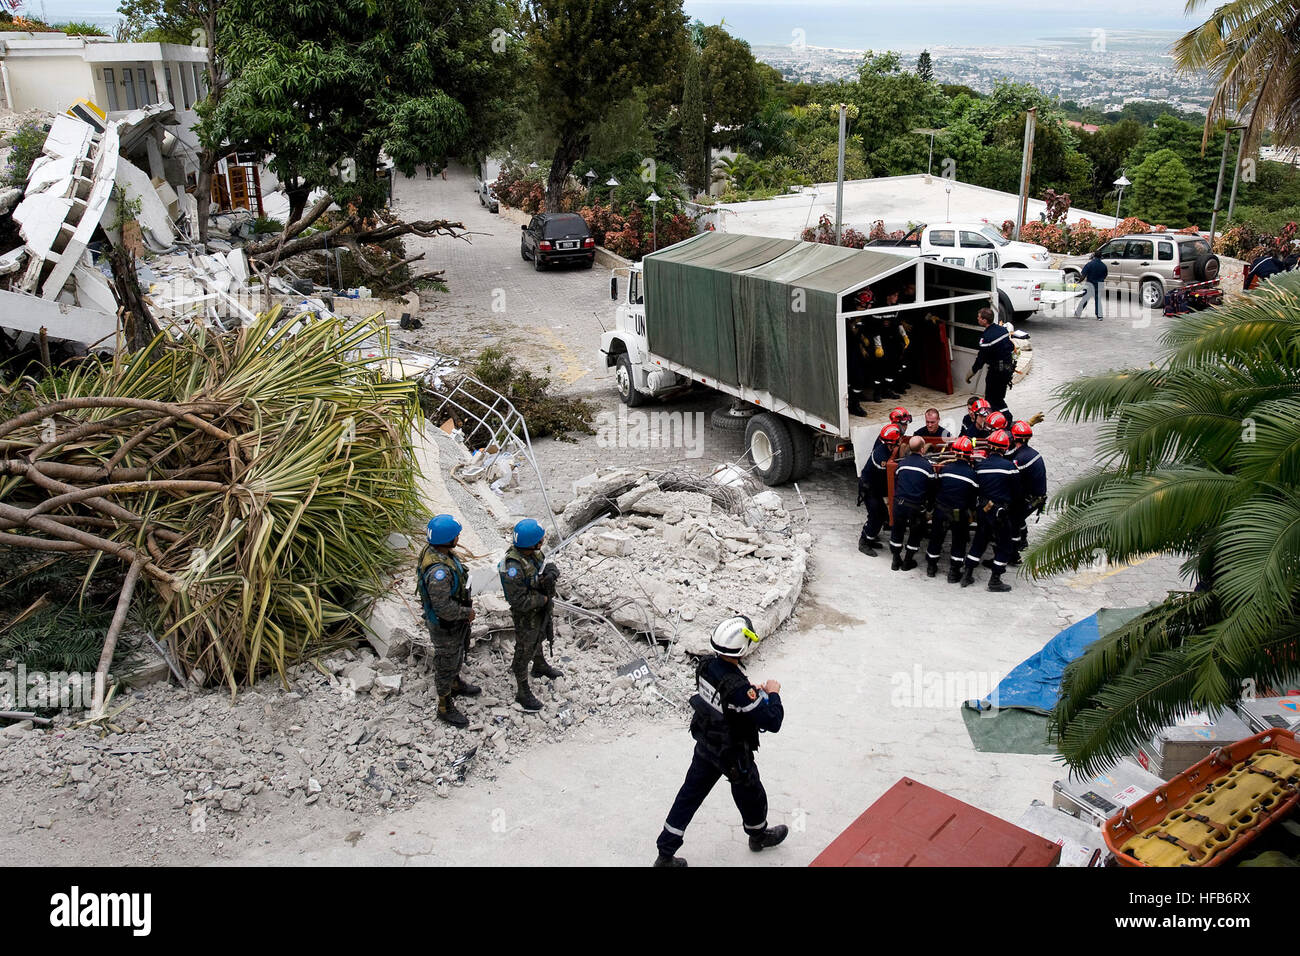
pixel 26 144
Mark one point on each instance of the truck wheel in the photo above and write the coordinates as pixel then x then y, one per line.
pixel 626 389
pixel 1005 312
pixel 769 447
pixel 802 439
pixel 733 417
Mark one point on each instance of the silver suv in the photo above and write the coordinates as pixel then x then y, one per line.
pixel 1152 264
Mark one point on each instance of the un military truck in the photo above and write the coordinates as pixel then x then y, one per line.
pixel 766 320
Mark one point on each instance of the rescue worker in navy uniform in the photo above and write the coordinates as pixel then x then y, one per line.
pixel 998 353
pixel 529 585
pixel 893 339
pixel 443 584
pixel 913 495
pixel 1033 484
pixel 860 364
pixel 974 424
pixel 953 507
pixel 873 486
pixel 999 487
pixel 730 712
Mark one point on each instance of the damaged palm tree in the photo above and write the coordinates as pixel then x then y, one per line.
pixel 247 482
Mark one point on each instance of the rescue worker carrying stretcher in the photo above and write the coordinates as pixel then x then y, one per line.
pixel 730 712
pixel 913 496
pixel 443 585
pixel 953 507
pixel 1033 485
pixel 873 487
pixel 529 584
pixel 999 487
pixel 974 424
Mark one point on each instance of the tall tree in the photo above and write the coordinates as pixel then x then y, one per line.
pixel 693 128
pixel 1252 49
pixel 925 67
pixel 1161 187
pixel 586 54
pixel 732 85
pixel 323 86
pixel 1199 457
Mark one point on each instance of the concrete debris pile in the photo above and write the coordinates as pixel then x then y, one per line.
pixel 671 554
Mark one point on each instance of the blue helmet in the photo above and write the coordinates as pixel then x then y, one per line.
pixel 528 534
pixel 442 530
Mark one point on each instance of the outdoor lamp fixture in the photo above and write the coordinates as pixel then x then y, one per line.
pixel 927 131
pixel 948 190
pixel 532 165
pixel 653 199
pixel 1121 183
pixel 612 183
pixel 590 177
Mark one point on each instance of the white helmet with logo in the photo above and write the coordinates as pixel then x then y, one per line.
pixel 734 637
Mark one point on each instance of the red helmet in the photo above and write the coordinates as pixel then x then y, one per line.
pixel 900 416
pixel 978 405
pixel 1022 430
pixel 891 433
pixel 1000 440
pixel 963 446
pixel 996 420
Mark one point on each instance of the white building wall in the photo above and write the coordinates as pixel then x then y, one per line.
pixel 49 82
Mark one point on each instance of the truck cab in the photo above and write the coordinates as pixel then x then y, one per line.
pixel 626 350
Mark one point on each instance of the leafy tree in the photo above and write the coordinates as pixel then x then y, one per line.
pixel 891 102
pixel 322 86
pixel 1161 186
pixel 731 82
pixel 1252 49
pixel 924 67
pixel 1184 139
pixel 586 54
pixel 1200 457
pixel 1107 150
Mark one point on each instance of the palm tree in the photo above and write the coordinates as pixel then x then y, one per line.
pixel 1252 48
pixel 1199 456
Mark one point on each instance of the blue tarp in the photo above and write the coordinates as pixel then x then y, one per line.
pixel 1035 683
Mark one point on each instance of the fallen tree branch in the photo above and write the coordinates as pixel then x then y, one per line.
pixel 425 228
pixel 292 230
pixel 114 629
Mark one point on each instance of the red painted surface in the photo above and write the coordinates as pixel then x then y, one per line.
pixel 916 825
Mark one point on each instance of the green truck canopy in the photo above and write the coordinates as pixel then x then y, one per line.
pixel 759 312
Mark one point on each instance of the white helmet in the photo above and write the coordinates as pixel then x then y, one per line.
pixel 734 637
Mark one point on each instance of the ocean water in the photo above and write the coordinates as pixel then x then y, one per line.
pixel 917 24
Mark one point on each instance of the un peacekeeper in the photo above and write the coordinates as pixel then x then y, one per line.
pixel 444 590
pixel 529 584
pixel 913 493
pixel 729 714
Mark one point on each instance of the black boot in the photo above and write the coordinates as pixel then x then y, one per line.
pixel 525 699
pixel 968 576
pixel 954 573
pixel 664 860
pixel 543 669
pixel 897 563
pixel 997 584
pixel 769 837
pixel 855 408
pixel 910 563
pixel 448 713
pixel 931 567
pixel 868 546
pixel 462 689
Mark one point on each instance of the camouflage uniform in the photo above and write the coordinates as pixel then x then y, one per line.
pixel 530 594
pixel 444 591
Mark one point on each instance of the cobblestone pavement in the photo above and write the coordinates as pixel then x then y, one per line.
pixel 852 661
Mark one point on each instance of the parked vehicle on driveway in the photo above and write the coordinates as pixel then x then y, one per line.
pixel 556 237
pixel 1152 264
pixel 487 198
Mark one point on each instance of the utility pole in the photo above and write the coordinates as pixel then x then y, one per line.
pixel 1218 192
pixel 1026 165
pixel 839 177
pixel 1241 145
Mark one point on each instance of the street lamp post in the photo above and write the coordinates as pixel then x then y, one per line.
pixel 948 190
pixel 653 200
pixel 612 183
pixel 1121 183
pixel 926 131
pixel 591 179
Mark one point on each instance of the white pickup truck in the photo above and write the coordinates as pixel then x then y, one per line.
pixel 1022 268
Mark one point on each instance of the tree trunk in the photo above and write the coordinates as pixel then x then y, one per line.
pixel 569 151
pixel 203 194
pixel 297 200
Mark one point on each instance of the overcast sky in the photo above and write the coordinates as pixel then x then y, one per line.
pixel 908 23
